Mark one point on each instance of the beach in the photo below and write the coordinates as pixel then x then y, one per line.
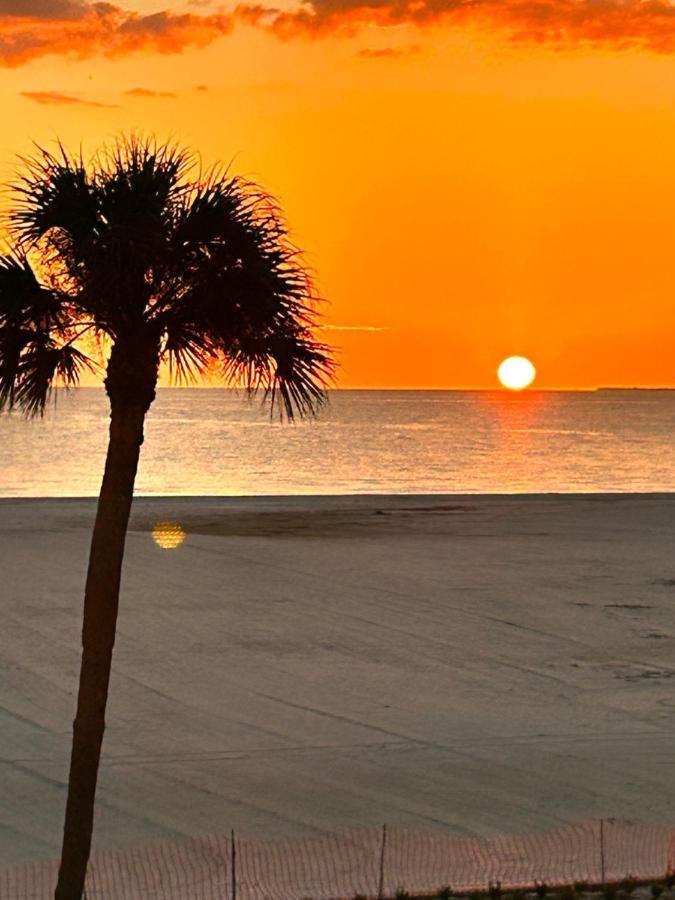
pixel 302 665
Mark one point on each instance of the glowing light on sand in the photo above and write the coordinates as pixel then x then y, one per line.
pixel 516 373
pixel 168 535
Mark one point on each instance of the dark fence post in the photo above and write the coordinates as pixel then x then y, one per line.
pixel 602 851
pixel 234 867
pixel 380 887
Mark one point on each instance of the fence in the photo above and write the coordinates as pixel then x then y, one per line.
pixel 370 862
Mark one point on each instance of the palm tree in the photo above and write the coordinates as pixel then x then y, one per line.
pixel 161 264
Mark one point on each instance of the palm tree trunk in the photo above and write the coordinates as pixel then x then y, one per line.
pixel 101 602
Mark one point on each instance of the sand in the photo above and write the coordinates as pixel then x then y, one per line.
pixel 301 665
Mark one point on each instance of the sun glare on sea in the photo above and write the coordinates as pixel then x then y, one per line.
pixel 516 373
pixel 168 535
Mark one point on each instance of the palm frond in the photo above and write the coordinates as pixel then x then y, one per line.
pixel 13 342
pixel 54 191
pixel 241 282
pixel 36 337
pixel 303 370
pixel 70 364
pixel 187 351
pixel 43 366
pixel 23 299
pixel 292 371
pixel 139 182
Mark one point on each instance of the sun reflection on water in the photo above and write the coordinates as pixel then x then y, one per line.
pixel 516 416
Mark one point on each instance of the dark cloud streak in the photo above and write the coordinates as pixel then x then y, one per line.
pixel 54 98
pixel 389 52
pixel 149 93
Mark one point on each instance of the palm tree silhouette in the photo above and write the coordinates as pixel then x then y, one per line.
pixel 161 263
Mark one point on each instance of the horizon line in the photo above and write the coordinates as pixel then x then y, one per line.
pixel 497 389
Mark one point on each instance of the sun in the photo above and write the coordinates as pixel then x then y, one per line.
pixel 516 373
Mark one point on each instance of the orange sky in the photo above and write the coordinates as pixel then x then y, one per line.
pixel 465 188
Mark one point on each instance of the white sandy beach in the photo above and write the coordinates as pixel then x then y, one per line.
pixel 482 664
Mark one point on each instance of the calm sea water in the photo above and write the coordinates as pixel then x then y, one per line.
pixel 212 441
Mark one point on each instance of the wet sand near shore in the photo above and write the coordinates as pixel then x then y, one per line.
pixel 300 665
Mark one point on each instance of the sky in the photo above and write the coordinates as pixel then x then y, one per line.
pixel 469 179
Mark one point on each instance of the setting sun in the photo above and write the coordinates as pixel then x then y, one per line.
pixel 516 373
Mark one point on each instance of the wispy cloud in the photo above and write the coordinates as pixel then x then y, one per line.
pixel 54 98
pixel 147 92
pixel 389 52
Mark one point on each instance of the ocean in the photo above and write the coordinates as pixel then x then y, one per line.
pixel 218 442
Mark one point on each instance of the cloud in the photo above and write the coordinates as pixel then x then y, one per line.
pixel 615 24
pixel 54 98
pixel 389 52
pixel 30 29
pixel 147 92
